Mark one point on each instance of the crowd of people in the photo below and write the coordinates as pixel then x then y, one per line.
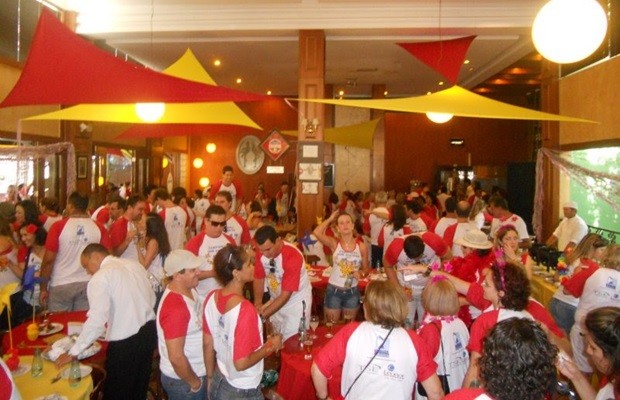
pixel 200 278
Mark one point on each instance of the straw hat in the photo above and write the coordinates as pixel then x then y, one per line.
pixel 474 239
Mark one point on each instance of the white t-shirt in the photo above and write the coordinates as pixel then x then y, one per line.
pixel 376 223
pixel 180 316
pixel 444 223
pixel 602 289
pixel 68 238
pixel 570 230
pixel 176 220
pixel 417 225
pixel 345 263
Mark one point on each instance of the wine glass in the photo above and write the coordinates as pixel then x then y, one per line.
pixel 314 323
pixel 308 349
pixel 329 324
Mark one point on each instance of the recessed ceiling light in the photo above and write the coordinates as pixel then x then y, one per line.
pixel 217 63
pixel 341 93
pixel 268 92
pixel 466 62
pixel 239 80
pixel 385 93
pixel 428 93
pixel 440 83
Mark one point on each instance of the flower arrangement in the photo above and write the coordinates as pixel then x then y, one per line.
pixel 562 268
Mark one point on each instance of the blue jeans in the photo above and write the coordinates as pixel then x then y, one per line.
pixel 178 389
pixel 222 390
pixel 337 298
pixel 563 314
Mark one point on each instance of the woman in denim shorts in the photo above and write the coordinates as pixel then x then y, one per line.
pixel 350 263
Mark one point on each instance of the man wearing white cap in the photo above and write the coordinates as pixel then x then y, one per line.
pixel 571 229
pixel 179 329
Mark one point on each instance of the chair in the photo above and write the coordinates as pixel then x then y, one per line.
pixel 98 374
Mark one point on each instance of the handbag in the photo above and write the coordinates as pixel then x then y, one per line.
pixel 442 378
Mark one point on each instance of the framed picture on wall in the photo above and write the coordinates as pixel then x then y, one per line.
pixel 82 167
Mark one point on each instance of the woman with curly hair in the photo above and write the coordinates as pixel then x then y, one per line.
pixel 517 363
pixel 602 339
pixel 507 289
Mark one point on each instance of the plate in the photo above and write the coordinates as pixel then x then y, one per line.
pixel 21 370
pixel 85 370
pixel 53 396
pixel 54 327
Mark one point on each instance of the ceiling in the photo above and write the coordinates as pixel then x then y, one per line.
pixel 257 40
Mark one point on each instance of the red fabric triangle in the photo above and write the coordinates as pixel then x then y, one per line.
pixel 445 56
pixel 163 130
pixel 63 68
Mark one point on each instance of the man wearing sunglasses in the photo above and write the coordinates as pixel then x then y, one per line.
pixel 236 226
pixel 206 244
pixel 280 271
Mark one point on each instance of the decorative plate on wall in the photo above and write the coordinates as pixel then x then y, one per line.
pixel 249 155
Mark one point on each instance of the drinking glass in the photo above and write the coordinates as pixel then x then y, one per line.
pixel 314 323
pixel 308 349
pixel 329 324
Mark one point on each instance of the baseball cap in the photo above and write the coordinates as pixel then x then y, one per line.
pixel 180 259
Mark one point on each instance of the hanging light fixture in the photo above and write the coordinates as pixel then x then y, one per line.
pixel 150 112
pixel 165 162
pixel 211 148
pixel 439 118
pixel 567 31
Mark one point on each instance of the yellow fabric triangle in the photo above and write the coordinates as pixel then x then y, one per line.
pixel 357 135
pixel 5 295
pixel 186 67
pixel 455 100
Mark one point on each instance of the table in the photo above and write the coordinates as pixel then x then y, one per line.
pixel 542 290
pixel 32 388
pixel 295 381
pixel 27 347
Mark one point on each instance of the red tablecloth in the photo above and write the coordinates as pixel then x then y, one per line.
pixel 295 381
pixel 26 347
pixel 319 285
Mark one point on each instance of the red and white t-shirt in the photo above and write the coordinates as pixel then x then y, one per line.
pixel 434 249
pixel 289 275
pixel 454 233
pixel 68 238
pixel 102 215
pixel 118 234
pixel 234 189
pixel 236 333
pixel 180 316
pixel 49 220
pixel 176 220
pixel 399 363
pixel 443 224
pixel 207 247
pixel 602 289
pixel 513 220
pixel 375 225
pixel 8 389
pixel 417 225
pixel 451 334
pixel 238 229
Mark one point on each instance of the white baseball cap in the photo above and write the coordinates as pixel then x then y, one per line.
pixel 570 204
pixel 178 260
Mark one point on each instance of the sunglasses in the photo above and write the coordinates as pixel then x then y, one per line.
pixel 272 266
pixel 216 224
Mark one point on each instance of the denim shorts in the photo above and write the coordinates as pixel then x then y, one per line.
pixel 339 298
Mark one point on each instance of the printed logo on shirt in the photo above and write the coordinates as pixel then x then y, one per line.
pixel 458 341
pixel 611 283
pixel 80 236
pixel 392 374
pixel 383 351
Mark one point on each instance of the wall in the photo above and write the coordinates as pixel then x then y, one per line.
pixel 592 94
pixel 415 146
pixel 269 115
pixel 352 164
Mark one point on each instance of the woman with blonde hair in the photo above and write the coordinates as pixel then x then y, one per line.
pixel 444 333
pixel 585 255
pixel 349 265
pixel 381 341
